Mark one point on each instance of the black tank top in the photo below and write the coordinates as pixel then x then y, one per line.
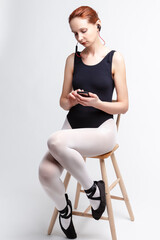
pixel 96 79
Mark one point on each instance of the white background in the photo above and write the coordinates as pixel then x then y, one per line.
pixel 35 40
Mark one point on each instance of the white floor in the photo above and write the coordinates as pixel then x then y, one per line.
pixel 23 217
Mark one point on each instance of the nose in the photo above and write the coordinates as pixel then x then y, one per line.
pixel 80 38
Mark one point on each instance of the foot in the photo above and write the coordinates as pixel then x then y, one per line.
pixel 97 197
pixel 65 220
pixel 95 203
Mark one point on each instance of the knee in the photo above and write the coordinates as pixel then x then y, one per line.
pixel 54 142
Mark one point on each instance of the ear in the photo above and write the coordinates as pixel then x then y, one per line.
pixel 98 22
pixel 98 25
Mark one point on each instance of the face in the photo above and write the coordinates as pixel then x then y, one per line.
pixel 84 32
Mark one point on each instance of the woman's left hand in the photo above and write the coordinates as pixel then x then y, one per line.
pixel 92 100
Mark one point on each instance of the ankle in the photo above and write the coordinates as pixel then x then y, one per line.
pixel 91 191
pixel 63 211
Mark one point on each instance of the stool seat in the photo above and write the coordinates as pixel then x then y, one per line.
pixel 108 154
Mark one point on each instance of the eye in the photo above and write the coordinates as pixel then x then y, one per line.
pixel 82 32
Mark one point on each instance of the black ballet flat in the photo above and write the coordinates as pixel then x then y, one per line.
pixel 70 231
pixel 99 211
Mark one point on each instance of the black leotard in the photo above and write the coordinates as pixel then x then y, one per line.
pixel 96 79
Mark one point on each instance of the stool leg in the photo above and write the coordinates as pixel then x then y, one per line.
pixel 108 200
pixel 122 186
pixel 77 195
pixel 52 222
pixel 54 216
pixel 78 192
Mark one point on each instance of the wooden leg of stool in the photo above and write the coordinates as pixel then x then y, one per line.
pixel 66 180
pixel 54 216
pixel 52 222
pixel 77 195
pixel 122 186
pixel 108 200
pixel 78 192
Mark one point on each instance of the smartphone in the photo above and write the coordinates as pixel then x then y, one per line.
pixel 83 93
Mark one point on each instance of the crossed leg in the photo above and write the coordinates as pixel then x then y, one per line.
pixel 49 175
pixel 67 147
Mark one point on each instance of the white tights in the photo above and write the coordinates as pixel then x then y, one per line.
pixel 66 148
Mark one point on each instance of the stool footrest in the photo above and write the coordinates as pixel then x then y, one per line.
pixel 117 198
pixel 87 209
pixel 82 214
pixel 114 184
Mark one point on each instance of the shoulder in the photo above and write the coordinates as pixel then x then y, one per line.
pixel 70 58
pixel 70 61
pixel 118 60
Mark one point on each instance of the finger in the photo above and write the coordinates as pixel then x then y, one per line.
pixel 81 90
pixel 92 94
pixel 79 97
pixel 78 90
pixel 83 99
pixel 81 102
pixel 74 92
pixel 72 96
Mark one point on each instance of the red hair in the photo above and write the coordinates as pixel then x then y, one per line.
pixel 85 12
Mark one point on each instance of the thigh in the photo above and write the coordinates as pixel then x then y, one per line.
pixel 49 163
pixel 88 141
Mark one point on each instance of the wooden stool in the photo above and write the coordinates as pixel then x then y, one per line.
pixel 108 188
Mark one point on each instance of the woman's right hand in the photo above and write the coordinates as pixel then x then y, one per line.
pixel 72 97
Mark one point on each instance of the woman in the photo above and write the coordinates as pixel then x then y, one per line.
pixel 89 128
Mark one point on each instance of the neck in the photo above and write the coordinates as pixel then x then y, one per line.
pixel 95 48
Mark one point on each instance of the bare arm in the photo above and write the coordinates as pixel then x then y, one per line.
pixel 67 99
pixel 67 86
pixel 121 106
